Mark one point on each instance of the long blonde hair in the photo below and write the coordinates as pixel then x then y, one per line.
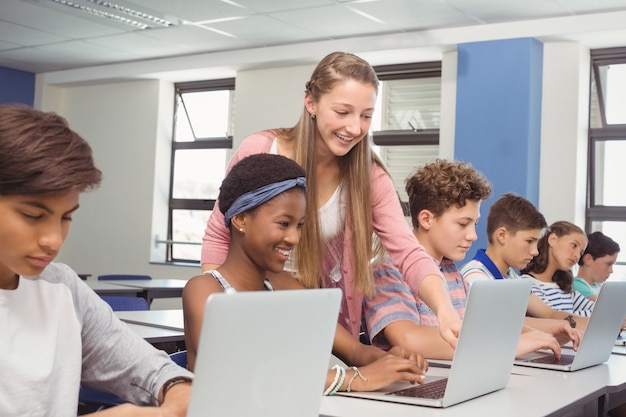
pixel 354 170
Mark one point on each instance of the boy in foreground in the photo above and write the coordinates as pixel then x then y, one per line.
pixel 57 333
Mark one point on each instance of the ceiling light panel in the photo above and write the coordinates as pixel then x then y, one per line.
pixel 116 12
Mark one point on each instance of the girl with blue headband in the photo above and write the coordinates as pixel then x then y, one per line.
pixel 263 198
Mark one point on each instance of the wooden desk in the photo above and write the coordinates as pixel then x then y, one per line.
pixel 163 319
pixel 102 288
pixel 154 288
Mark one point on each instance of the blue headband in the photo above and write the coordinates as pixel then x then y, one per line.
pixel 255 198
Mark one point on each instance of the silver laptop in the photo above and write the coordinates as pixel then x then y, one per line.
pixel 264 354
pixel 484 355
pixel 599 338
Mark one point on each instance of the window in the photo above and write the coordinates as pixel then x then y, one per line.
pixel 201 141
pixel 606 201
pixel 406 123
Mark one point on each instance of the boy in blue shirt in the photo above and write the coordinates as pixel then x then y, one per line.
pixel 514 226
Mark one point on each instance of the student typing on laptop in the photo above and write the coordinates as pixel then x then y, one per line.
pixel 559 249
pixel 55 331
pixel 514 227
pixel 596 264
pixel 263 198
pixel 444 203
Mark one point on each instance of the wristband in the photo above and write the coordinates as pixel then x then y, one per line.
pixel 571 321
pixel 174 381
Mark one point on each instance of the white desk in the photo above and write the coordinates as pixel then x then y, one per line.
pixel 571 394
pixel 105 288
pixel 154 288
pixel 163 319
pixel 157 335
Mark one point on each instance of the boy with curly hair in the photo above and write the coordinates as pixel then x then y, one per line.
pixel 444 203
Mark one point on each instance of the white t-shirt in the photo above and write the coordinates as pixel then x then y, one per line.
pixel 56 332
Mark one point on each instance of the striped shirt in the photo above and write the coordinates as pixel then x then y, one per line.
pixel 571 302
pixel 394 301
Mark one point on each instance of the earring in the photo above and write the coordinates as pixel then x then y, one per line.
pixel 241 229
pixel 313 117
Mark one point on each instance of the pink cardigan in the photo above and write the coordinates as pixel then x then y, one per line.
pixel 389 224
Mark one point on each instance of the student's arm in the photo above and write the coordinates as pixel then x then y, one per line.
pixel 175 405
pixel 434 293
pixel 537 308
pixel 532 340
pixel 379 367
pixel 424 339
pixel 560 329
pixel 418 268
pixel 195 294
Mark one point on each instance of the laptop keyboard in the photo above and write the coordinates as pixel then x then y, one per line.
pixel 434 390
pixel 563 360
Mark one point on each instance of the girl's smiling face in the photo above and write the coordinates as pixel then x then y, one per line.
pixel 273 229
pixel 343 116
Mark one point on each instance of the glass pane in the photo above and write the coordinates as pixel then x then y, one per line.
pixel 188 226
pixel 609 173
pixel 198 173
pixel 617 232
pixel 202 114
pixel 613 79
pixel 594 108
pixel 409 104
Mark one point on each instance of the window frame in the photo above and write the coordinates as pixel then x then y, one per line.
pixel 199 143
pixel 407 137
pixel 597 213
pixel 403 137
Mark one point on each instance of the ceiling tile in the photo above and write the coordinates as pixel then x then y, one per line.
pixel 52 21
pixel 24 36
pixel 255 29
pixel 64 56
pixel 328 22
pixel 190 39
pixel 415 14
pixel 494 11
pixel 192 10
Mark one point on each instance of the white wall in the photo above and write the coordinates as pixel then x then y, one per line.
pixel 124 123
pixel 269 98
pixel 565 108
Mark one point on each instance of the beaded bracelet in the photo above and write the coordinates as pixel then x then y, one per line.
pixel 332 385
pixel 342 378
pixel 356 373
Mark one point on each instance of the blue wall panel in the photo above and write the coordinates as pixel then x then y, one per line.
pixel 16 86
pixel 498 116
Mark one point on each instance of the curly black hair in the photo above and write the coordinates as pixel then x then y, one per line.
pixel 254 172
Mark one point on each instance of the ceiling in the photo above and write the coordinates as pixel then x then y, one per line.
pixel 53 35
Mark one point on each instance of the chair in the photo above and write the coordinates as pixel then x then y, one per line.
pixel 180 358
pixel 122 276
pixel 123 303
